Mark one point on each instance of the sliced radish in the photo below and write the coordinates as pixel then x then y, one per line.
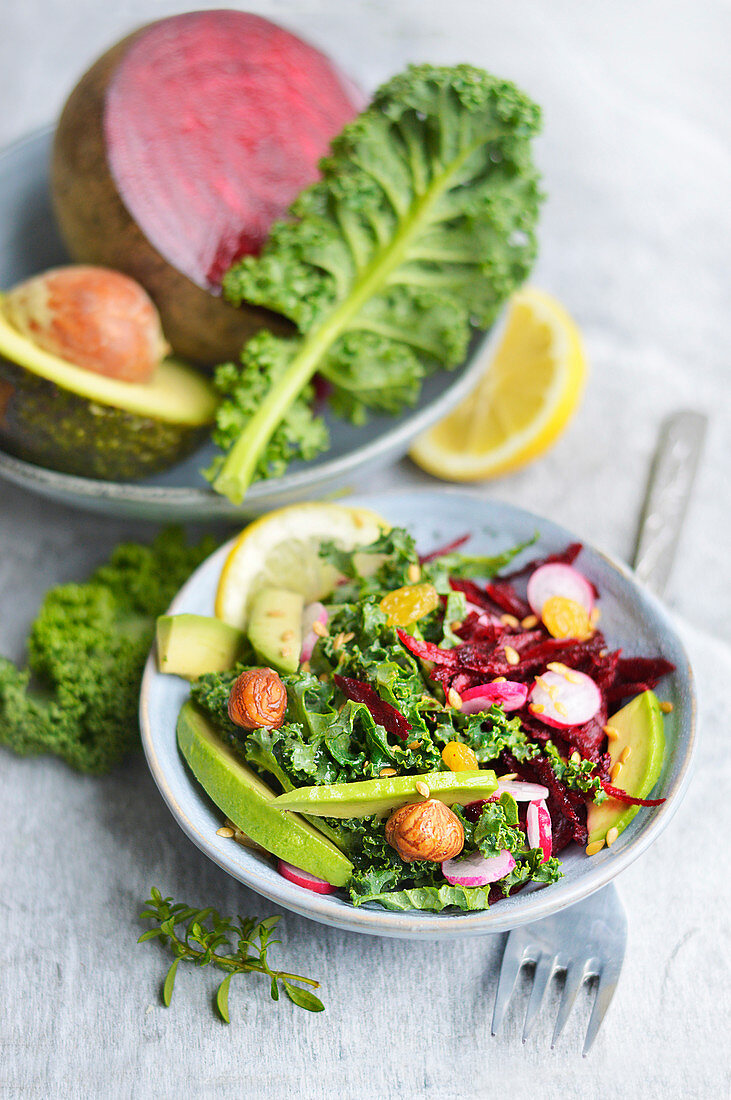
pixel 476 870
pixel 557 579
pixel 522 792
pixel 313 613
pixel 538 828
pixel 563 699
pixel 304 878
pixel 508 694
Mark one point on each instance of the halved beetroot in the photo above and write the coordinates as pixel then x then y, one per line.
pixel 178 149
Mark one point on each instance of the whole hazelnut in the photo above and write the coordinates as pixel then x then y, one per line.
pixel 425 830
pixel 258 699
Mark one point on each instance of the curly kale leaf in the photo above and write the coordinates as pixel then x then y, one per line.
pixel 87 649
pixel 422 224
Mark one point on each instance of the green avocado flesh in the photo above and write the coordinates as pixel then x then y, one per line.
pixel 64 417
pixel 640 729
pixel 250 804
pixel 381 796
pixel 275 627
pixel 191 645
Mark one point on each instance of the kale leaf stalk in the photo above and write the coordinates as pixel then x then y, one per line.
pixel 421 226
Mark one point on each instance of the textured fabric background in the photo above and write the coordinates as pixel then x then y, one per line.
pixel 635 241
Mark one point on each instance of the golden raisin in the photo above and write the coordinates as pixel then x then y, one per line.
pixel 409 604
pixel 258 699
pixel 458 757
pixel 565 618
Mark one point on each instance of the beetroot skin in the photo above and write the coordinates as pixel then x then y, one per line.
pixel 214 122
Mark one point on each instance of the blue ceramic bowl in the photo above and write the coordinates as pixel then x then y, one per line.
pixel 631 618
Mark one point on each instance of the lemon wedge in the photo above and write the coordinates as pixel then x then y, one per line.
pixel 529 391
pixel 281 550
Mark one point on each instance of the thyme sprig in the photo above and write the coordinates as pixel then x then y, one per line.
pixel 207 939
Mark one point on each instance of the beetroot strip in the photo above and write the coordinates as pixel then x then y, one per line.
pixel 622 796
pixel 392 720
pixel 448 549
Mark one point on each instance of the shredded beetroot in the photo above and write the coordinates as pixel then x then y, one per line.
pixel 392 720
pixel 427 651
pixel 507 599
pixel 622 796
pixel 566 557
pixel 442 551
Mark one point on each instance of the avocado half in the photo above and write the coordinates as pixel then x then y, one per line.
pixel 57 415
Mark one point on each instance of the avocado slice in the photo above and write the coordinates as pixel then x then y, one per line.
pixel 275 627
pixel 191 645
pixel 250 804
pixel 61 416
pixel 640 728
pixel 381 796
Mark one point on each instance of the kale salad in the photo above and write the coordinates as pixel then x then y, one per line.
pixel 437 727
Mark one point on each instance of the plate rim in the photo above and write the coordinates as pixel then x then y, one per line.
pixel 411 924
pixel 392 441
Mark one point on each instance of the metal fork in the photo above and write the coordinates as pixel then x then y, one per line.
pixel 586 941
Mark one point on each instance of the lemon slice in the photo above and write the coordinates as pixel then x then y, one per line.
pixel 281 550
pixel 523 402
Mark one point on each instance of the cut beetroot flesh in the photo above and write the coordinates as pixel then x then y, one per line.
pixel 509 694
pixel 304 878
pixel 557 579
pixel 564 699
pixel 214 122
pixel 392 720
pixel 478 870
pixel 538 828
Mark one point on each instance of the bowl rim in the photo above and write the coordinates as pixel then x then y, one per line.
pixel 410 924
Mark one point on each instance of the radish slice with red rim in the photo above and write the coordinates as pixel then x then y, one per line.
pixel 508 694
pixel 313 613
pixel 478 870
pixel 538 828
pixel 557 579
pixel 521 792
pixel 563 699
pixel 304 878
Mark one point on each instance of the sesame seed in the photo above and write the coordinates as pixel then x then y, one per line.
pixel 285 651
pixel 275 613
pixel 323 677
pixel 603 652
pixel 338 640
pixel 614 773
pixel 305 666
pixel 537 708
pixel 348 637
pixel 413 745
pixel 572 677
pixel 500 680
pixel 511 655
pixel 666 708
pixel 592 849
pixel 288 636
pixel 542 683
pixel 507 778
pixel 413 572
pixel 557 666
pixel 576 757
pixel 454 698
pixel 560 708
pixel 455 625
pixel 225 831
pixel 611 733
pixel 624 754
pixel 612 835
pixel 510 620
pixel 422 789
pixel 320 629
pixel 529 622
pixel 388 771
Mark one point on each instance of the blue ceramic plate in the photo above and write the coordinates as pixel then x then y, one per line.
pixel 29 243
pixel 631 618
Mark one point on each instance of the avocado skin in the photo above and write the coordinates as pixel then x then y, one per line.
pixel 43 423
